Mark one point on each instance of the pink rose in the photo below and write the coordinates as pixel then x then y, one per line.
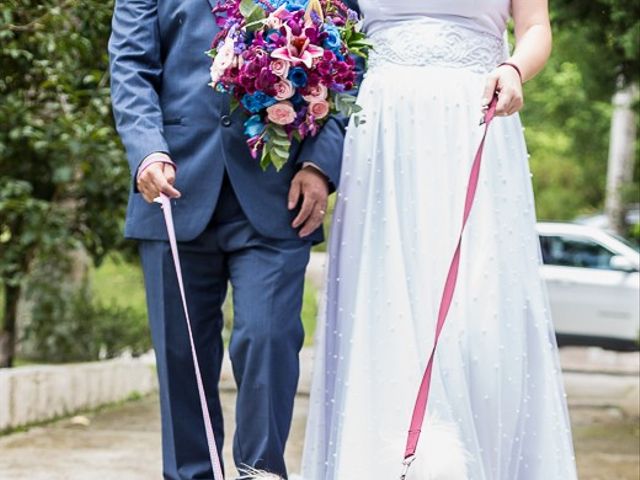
pixel 273 21
pixel 280 68
pixel 317 93
pixel 282 13
pixel 215 73
pixel 282 113
pixel 319 109
pixel 225 58
pixel 284 90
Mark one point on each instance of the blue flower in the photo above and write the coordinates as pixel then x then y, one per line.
pixel 298 77
pixel 333 41
pixel 253 126
pixel 291 5
pixel 257 101
pixel 297 100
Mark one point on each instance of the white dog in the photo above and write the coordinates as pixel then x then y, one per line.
pixel 440 456
pixel 248 473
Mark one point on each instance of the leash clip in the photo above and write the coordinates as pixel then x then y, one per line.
pixel 407 464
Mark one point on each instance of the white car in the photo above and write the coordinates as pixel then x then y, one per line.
pixel 593 283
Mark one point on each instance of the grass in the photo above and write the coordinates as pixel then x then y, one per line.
pixel 121 283
pixel 309 312
pixel 117 282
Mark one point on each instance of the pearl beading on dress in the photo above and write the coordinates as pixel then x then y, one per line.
pixel 432 43
pixel 395 226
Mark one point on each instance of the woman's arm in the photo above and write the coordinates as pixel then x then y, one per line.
pixel 533 47
pixel 533 36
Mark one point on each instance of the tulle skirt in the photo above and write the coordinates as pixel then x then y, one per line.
pixel 398 215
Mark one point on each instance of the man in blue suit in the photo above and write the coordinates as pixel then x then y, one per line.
pixel 234 223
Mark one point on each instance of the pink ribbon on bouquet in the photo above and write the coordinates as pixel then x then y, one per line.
pixel 165 202
pixel 420 409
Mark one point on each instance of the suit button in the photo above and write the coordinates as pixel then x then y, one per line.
pixel 226 121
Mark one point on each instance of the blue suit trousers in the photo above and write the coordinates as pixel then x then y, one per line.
pixel 267 276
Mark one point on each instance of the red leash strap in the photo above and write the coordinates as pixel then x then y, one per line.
pixel 422 399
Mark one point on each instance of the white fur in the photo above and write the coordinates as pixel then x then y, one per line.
pixel 248 473
pixel 440 455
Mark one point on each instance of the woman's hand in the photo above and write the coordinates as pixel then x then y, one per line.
pixel 533 46
pixel 506 81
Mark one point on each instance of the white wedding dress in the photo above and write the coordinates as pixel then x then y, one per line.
pixel 398 216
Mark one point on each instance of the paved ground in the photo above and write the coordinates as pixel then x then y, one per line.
pixel 124 441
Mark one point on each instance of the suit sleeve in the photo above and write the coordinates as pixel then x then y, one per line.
pixel 325 149
pixel 136 70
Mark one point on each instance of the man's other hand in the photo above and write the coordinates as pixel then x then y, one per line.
pixel 310 184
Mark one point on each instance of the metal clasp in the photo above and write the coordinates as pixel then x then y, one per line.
pixel 407 464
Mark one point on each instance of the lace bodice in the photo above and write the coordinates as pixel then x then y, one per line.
pixel 465 34
pixel 437 43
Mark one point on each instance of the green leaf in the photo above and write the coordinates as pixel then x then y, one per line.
pixel 234 105
pixel 278 131
pixel 281 152
pixel 278 161
pixel 247 7
pixel 277 148
pixel 255 25
pixel 265 160
pixel 254 14
pixel 281 142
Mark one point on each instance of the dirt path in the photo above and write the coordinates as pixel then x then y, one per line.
pixel 607 444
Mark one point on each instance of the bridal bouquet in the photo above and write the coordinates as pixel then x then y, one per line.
pixel 288 64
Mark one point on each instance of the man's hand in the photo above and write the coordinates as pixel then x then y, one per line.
pixel 158 178
pixel 313 186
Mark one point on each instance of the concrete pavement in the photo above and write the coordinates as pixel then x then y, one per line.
pixel 123 442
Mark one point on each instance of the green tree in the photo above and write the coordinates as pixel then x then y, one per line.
pixel 568 110
pixel 63 181
pixel 611 26
pixel 567 128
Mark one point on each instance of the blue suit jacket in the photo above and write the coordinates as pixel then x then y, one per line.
pixel 162 103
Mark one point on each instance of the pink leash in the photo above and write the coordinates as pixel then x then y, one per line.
pixel 420 408
pixel 165 202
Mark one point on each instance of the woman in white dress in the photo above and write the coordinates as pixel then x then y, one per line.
pixel 397 220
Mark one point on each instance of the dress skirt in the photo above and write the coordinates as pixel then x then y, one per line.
pixel 397 220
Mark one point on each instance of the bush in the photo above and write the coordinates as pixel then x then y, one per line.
pixel 67 324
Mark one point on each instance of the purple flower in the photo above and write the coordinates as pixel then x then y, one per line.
pixel 266 80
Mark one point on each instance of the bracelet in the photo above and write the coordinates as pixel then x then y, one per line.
pixel 515 67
